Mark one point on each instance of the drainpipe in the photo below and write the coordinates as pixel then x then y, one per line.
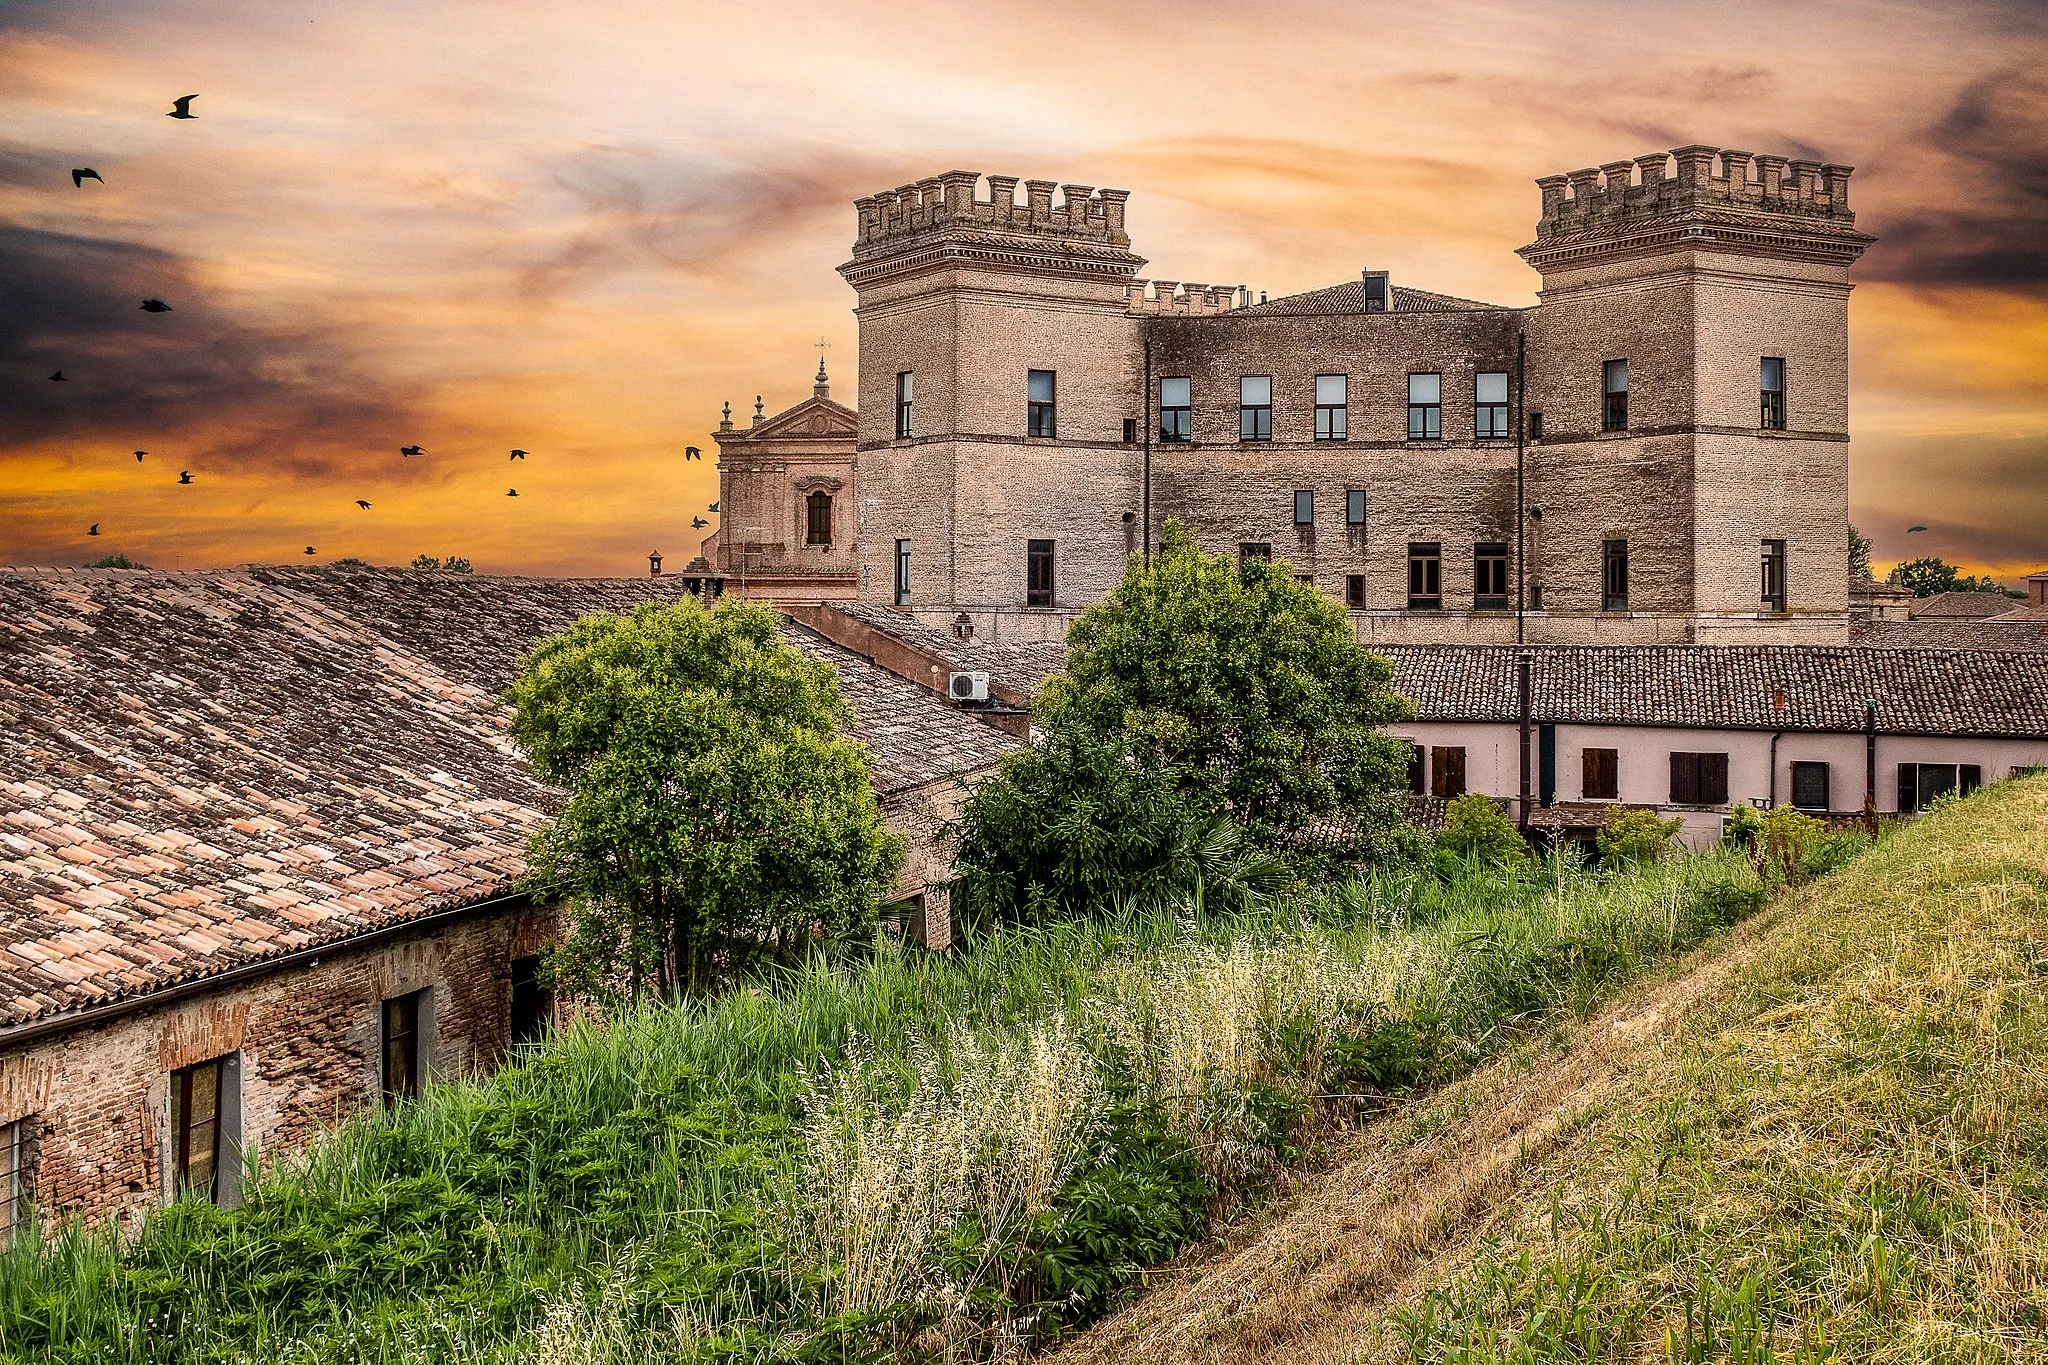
pixel 1870 758
pixel 1776 735
pixel 1522 661
pixel 1148 419
pixel 1521 536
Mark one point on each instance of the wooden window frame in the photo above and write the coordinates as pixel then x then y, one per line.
pixel 1039 568
pixel 1447 771
pixel 906 393
pixel 1425 575
pixel 1333 420
pixel 1699 779
pixel 1490 577
pixel 402 1054
pixel 17 1176
pixel 1490 418
pixel 1426 419
pixel 1614 401
pixel 1354 591
pixel 1614 575
pixel 1804 768
pixel 814 502
pixel 1773 572
pixel 1600 775
pixel 185 1088
pixel 1770 400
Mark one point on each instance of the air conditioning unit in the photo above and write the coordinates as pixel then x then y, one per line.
pixel 967 686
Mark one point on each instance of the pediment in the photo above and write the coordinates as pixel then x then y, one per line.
pixel 812 417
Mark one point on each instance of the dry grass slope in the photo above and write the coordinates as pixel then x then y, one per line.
pixel 1826 1140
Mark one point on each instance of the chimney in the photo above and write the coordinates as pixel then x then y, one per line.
pixel 2037 589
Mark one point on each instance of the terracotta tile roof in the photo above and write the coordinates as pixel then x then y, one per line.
pixel 2013 631
pixel 1962 606
pixel 1918 691
pixel 1023 664
pixel 202 770
pixel 1349 297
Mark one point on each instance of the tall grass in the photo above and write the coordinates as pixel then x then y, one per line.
pixel 890 1154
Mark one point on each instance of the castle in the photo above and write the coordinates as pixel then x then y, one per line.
pixel 1029 405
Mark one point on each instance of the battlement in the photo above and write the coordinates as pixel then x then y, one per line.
pixel 953 200
pixel 1177 298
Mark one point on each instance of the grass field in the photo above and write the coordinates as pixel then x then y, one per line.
pixel 882 1158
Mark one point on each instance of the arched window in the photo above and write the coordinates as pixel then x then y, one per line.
pixel 819 507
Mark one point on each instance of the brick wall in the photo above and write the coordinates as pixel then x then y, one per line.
pixel 307 1039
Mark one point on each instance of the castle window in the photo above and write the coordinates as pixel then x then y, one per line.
pixel 196 1127
pixel 1614 575
pixel 1425 576
pixel 1614 392
pixel 1810 786
pixel 1304 507
pixel 533 1004
pixel 1247 551
pixel 1771 387
pixel 1490 575
pixel 1333 420
pixel 1425 407
pixel 1042 407
pixel 1354 507
pixel 902 573
pixel 1490 406
pixel 1699 779
pixel 1038 573
pixel 904 383
pixel 1375 291
pixel 402 1047
pixel 1255 407
pixel 1536 426
pixel 15 1177
pixel 1130 431
pixel 818 518
pixel 1774 575
pixel 1176 411
pixel 1354 591
pixel 1600 779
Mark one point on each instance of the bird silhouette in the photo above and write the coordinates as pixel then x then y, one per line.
pixel 698 523
pixel 95 529
pixel 58 377
pixel 364 505
pixel 310 550
pixel 81 174
pixel 139 454
pixel 1911 529
pixel 511 492
pixel 518 454
pixel 692 453
pixel 155 306
pixel 713 507
pixel 410 451
pixel 182 108
pixel 184 476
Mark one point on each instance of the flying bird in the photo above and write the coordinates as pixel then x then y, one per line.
pixel 698 523
pixel 1911 529
pixel 518 454
pixel 511 492
pixel 410 450
pixel 58 377
pixel 139 454
pixel 155 306
pixel 692 453
pixel 81 174
pixel 184 476
pixel 714 506
pixel 182 108
pixel 95 529
pixel 309 549
pixel 364 505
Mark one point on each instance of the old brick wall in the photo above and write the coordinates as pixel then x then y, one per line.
pixel 308 1040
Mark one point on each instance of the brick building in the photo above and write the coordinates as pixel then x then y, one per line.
pixel 1686 413
pixel 260 839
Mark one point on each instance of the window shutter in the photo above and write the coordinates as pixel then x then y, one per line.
pixel 1909 788
pixel 1685 780
pixel 1713 779
pixel 1437 778
pixel 1454 772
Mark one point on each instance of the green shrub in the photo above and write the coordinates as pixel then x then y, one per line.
pixel 1636 836
pixel 1787 835
pixel 1476 827
pixel 1745 826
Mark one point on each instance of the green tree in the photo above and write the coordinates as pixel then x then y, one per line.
pixel 1196 692
pixel 715 809
pixel 452 564
pixel 116 562
pixel 1928 576
pixel 1476 827
pixel 1635 836
pixel 1859 555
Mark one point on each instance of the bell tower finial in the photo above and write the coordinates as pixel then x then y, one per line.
pixel 821 387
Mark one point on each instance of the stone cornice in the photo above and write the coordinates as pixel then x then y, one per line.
pixel 1785 237
pixel 1028 255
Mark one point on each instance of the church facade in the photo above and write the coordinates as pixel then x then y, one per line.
pixel 1677 403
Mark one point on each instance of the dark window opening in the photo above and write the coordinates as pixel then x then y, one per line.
pixel 1771 394
pixel 1176 411
pixel 1038 573
pixel 1774 575
pixel 1447 771
pixel 1535 426
pixel 902 573
pixel 402 1047
pixel 1249 550
pixel 1601 779
pixel 1333 419
pixel 1614 575
pixel 1490 575
pixel 1130 431
pixel 1425 407
pixel 1425 576
pixel 818 518
pixel 1304 507
pixel 1041 403
pixel 533 1004
pixel 1376 291
pixel 1255 407
pixel 1354 591
pixel 1699 779
pixel 1921 784
pixel 1614 393
pixel 1354 507
pixel 1490 406
pixel 1810 786
pixel 1418 777
pixel 17 1178
pixel 196 1127
pixel 904 381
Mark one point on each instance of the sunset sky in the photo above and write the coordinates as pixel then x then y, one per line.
pixel 578 228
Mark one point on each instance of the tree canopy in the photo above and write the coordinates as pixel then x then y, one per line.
pixel 1204 706
pixel 715 809
pixel 1928 576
